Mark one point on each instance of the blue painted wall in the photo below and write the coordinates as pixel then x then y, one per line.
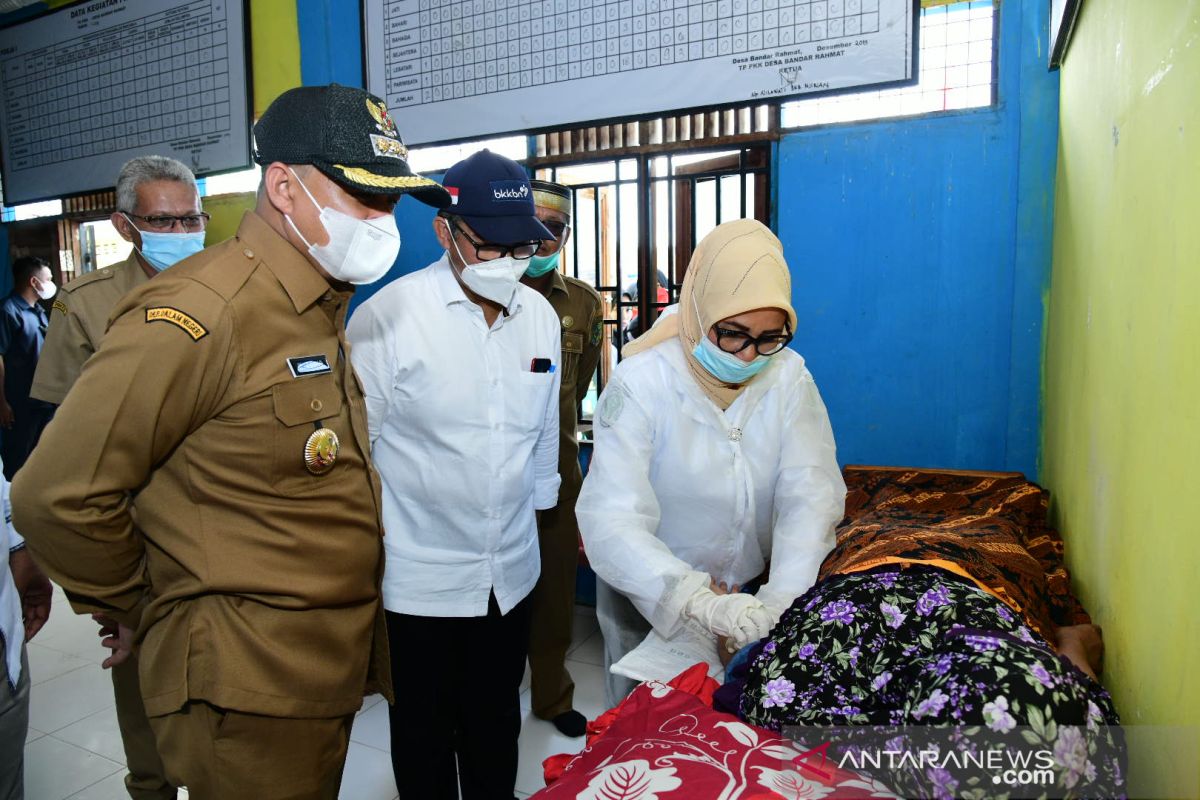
pixel 331 49
pixel 920 250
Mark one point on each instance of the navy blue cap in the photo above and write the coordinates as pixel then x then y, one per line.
pixel 492 195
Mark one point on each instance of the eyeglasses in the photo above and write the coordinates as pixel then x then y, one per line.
pixel 487 251
pixel 734 341
pixel 559 231
pixel 189 222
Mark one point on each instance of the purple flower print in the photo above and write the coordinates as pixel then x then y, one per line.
pixel 932 599
pixel 1003 613
pixel 892 615
pixel 1038 671
pixel 939 667
pixel 839 611
pixel 942 783
pixel 1070 753
pixel 932 705
pixel 805 651
pixel 769 648
pixel 880 681
pixel 887 579
pixel 982 644
pixel 854 653
pixel 779 692
pixel 996 716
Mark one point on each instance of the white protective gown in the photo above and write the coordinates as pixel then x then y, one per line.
pixel 678 491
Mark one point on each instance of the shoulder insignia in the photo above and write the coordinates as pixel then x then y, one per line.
pixel 612 403
pixel 597 330
pixel 59 305
pixel 179 319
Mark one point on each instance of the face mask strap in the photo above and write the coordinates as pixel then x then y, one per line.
pixel 453 241
pixel 312 199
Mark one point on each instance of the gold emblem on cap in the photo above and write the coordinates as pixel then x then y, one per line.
pixel 568 321
pixel 321 451
pixel 383 120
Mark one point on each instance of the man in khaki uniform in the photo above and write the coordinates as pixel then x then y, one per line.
pixel 160 195
pixel 582 315
pixel 221 408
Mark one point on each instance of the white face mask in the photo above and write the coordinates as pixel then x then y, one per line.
pixel 359 250
pixel 494 280
pixel 47 289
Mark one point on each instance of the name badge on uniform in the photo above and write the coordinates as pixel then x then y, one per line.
pixel 303 366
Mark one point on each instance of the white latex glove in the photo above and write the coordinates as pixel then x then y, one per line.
pixel 741 617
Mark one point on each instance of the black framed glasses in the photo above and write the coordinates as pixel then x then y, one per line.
pixel 559 231
pixel 189 222
pixel 487 251
pixel 735 341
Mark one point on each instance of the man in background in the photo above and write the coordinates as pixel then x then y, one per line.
pixel 158 211
pixel 22 331
pixel 581 314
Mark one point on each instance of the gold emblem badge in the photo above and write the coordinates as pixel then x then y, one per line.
pixel 568 321
pixel 383 120
pixel 321 451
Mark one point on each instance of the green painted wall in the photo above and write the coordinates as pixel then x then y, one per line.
pixel 1121 431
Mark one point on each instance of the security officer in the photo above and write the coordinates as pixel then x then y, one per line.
pixel 158 210
pixel 582 314
pixel 222 409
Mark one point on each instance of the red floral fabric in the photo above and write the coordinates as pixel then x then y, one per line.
pixel 666 743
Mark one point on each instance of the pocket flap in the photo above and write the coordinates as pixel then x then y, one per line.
pixel 572 342
pixel 307 400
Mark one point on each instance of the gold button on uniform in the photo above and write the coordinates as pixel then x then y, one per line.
pixel 316 405
pixel 568 321
pixel 248 253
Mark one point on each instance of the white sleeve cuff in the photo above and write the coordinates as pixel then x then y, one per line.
pixel 545 492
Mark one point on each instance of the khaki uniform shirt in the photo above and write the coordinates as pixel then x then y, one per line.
pixel 256 582
pixel 78 320
pixel 581 313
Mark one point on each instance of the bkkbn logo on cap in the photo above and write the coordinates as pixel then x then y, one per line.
pixel 510 190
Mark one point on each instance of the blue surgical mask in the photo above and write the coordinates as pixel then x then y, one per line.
pixel 162 250
pixel 726 367
pixel 540 265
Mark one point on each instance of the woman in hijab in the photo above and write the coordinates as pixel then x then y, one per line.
pixel 713 458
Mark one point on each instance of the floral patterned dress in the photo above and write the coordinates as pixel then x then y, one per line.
pixel 920 646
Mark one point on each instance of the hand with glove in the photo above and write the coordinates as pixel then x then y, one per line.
pixel 741 617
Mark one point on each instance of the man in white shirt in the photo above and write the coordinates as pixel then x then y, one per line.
pixel 459 364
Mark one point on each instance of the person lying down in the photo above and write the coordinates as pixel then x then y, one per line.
pixel 945 602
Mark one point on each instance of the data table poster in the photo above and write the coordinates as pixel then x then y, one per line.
pixel 87 87
pixel 456 69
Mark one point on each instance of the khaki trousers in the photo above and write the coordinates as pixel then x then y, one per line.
pixel 552 691
pixel 146 779
pixel 228 755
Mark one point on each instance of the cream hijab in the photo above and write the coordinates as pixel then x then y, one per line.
pixel 736 268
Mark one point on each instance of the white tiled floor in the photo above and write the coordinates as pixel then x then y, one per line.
pixel 74 747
